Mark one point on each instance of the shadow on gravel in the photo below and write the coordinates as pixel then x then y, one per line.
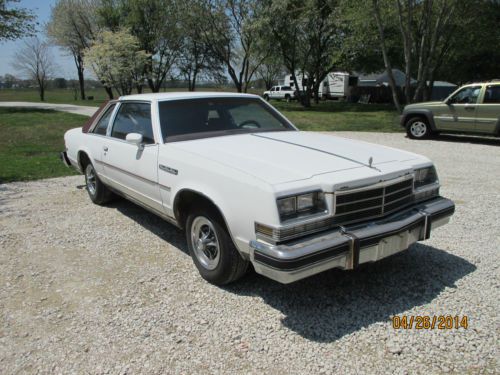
pixel 335 303
pixel 152 223
pixel 487 141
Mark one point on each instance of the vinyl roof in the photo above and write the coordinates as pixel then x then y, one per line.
pixel 185 95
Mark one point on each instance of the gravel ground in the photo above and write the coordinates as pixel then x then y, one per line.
pixel 88 289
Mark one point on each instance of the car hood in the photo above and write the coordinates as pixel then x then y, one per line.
pixel 279 157
pixel 423 104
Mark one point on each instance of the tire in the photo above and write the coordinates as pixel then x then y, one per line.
pixel 98 192
pixel 217 260
pixel 287 98
pixel 266 97
pixel 418 128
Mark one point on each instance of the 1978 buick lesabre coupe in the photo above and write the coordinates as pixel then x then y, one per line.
pixel 247 186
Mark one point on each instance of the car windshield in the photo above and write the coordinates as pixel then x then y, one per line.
pixel 210 117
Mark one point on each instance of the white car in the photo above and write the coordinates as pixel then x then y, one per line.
pixel 280 92
pixel 248 187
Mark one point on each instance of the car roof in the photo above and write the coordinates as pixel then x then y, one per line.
pixel 160 96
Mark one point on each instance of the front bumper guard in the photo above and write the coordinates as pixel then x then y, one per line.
pixel 348 246
pixel 64 157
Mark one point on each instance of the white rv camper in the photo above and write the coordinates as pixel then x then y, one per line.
pixel 336 85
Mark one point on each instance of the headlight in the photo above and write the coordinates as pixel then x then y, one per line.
pixel 425 176
pixel 301 205
pixel 426 183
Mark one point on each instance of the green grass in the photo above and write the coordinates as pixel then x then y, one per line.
pixel 341 116
pixel 30 142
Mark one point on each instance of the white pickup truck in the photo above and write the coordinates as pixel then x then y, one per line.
pixel 280 92
pixel 248 187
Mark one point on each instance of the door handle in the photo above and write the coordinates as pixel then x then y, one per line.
pixel 469 108
pixel 105 148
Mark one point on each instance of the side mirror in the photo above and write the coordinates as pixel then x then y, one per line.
pixel 136 139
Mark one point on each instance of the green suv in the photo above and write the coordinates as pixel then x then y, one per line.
pixel 473 108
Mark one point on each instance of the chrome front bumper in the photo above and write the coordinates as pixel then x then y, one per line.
pixel 347 247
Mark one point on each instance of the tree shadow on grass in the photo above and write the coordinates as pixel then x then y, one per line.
pixel 11 110
pixel 330 106
pixel 335 303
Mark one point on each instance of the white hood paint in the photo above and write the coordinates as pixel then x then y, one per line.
pixel 280 157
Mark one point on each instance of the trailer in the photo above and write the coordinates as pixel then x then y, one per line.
pixel 336 85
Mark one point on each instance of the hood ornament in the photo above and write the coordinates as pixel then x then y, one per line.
pixel 370 161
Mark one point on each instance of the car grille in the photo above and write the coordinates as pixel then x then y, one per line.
pixel 369 203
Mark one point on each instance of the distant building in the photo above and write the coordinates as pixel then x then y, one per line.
pixel 440 90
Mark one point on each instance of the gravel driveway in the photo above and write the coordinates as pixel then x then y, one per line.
pixel 76 109
pixel 88 289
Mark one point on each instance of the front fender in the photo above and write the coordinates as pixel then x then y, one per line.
pixel 407 114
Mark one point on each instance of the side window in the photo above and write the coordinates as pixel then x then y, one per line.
pixel 492 94
pixel 133 118
pixel 467 95
pixel 102 125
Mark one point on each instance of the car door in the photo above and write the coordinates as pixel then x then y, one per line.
pixel 488 110
pixel 273 92
pixel 98 133
pixel 133 169
pixel 459 114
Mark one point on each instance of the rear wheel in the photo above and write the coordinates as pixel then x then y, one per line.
pixel 212 249
pixel 98 192
pixel 418 128
pixel 288 98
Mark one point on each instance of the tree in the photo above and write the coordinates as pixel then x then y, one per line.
pixel 309 39
pixel 385 55
pixel 270 71
pixel 116 60
pixel 155 24
pixel 35 61
pixel 229 31
pixel 196 59
pixel 72 26
pixel 15 22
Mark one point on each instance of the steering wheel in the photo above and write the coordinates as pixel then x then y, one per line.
pixel 249 124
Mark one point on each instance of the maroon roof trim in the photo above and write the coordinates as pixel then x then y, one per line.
pixel 90 121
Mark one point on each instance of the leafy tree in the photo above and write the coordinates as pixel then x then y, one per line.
pixel 270 70
pixel 72 26
pixel 196 58
pixel 35 61
pixel 309 39
pixel 117 60
pixel 229 31
pixel 15 22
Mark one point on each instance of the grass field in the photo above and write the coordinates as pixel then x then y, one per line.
pixel 30 142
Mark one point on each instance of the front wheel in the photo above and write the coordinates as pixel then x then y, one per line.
pixel 418 128
pixel 266 97
pixel 212 249
pixel 288 98
pixel 98 192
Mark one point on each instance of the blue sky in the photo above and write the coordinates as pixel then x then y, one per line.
pixel 41 8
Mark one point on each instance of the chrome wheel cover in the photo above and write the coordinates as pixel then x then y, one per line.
pixel 418 129
pixel 205 243
pixel 90 178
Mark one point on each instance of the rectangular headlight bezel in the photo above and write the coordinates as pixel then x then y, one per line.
pixel 425 177
pixel 318 205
